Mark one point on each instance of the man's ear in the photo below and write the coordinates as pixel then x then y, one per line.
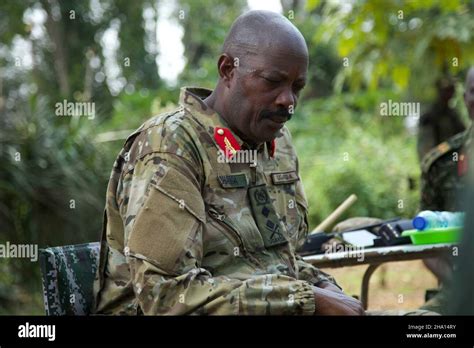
pixel 226 68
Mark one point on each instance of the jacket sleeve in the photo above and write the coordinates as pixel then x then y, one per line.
pixel 165 251
pixel 307 271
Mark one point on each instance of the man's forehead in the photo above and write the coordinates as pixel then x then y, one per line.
pixel 277 70
pixel 270 50
pixel 275 61
pixel 282 74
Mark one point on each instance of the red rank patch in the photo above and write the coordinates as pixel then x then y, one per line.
pixel 462 165
pixel 226 141
pixel 272 148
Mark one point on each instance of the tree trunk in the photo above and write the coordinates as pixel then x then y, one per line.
pixel 55 31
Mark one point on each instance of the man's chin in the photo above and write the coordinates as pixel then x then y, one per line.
pixel 278 133
pixel 270 135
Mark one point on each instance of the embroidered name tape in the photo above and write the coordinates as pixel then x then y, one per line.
pixel 233 181
pixel 284 178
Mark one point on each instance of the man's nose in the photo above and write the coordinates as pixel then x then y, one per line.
pixel 286 99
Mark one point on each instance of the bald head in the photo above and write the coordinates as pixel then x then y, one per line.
pixel 469 93
pixel 262 69
pixel 257 32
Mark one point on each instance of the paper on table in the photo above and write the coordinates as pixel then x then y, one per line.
pixel 360 238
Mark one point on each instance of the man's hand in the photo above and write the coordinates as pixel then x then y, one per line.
pixel 329 286
pixel 331 302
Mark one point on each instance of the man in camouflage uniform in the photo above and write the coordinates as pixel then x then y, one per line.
pixel 444 167
pixel 441 122
pixel 443 179
pixel 189 231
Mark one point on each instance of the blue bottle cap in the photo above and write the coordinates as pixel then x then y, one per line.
pixel 419 223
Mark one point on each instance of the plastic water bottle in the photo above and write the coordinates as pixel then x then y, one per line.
pixel 428 219
pixel 453 219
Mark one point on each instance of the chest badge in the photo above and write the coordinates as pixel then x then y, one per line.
pixel 266 217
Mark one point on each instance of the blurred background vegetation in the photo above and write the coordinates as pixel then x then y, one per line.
pixel 54 170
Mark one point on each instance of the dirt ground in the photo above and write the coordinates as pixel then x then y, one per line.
pixel 394 285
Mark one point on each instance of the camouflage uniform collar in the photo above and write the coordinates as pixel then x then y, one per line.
pixel 192 99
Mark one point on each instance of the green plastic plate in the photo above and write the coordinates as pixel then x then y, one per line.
pixel 434 235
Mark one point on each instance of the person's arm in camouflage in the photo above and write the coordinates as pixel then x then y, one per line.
pixel 428 194
pixel 426 139
pixel 307 271
pixel 329 297
pixel 165 252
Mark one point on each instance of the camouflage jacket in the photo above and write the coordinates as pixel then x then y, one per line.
pixel 443 175
pixel 185 232
pixel 437 125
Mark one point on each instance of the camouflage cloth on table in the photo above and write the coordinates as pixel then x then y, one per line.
pixel 355 223
pixel 187 232
pixel 68 275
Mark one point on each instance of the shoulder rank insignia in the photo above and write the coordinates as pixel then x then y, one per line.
pixel 434 154
pixel 452 144
pixel 226 141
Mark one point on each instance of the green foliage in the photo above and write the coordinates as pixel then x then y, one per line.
pixel 47 161
pixel 405 44
pixel 344 147
pixel 52 184
pixel 130 110
pixel 205 27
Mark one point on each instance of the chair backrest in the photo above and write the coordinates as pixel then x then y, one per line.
pixel 68 274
